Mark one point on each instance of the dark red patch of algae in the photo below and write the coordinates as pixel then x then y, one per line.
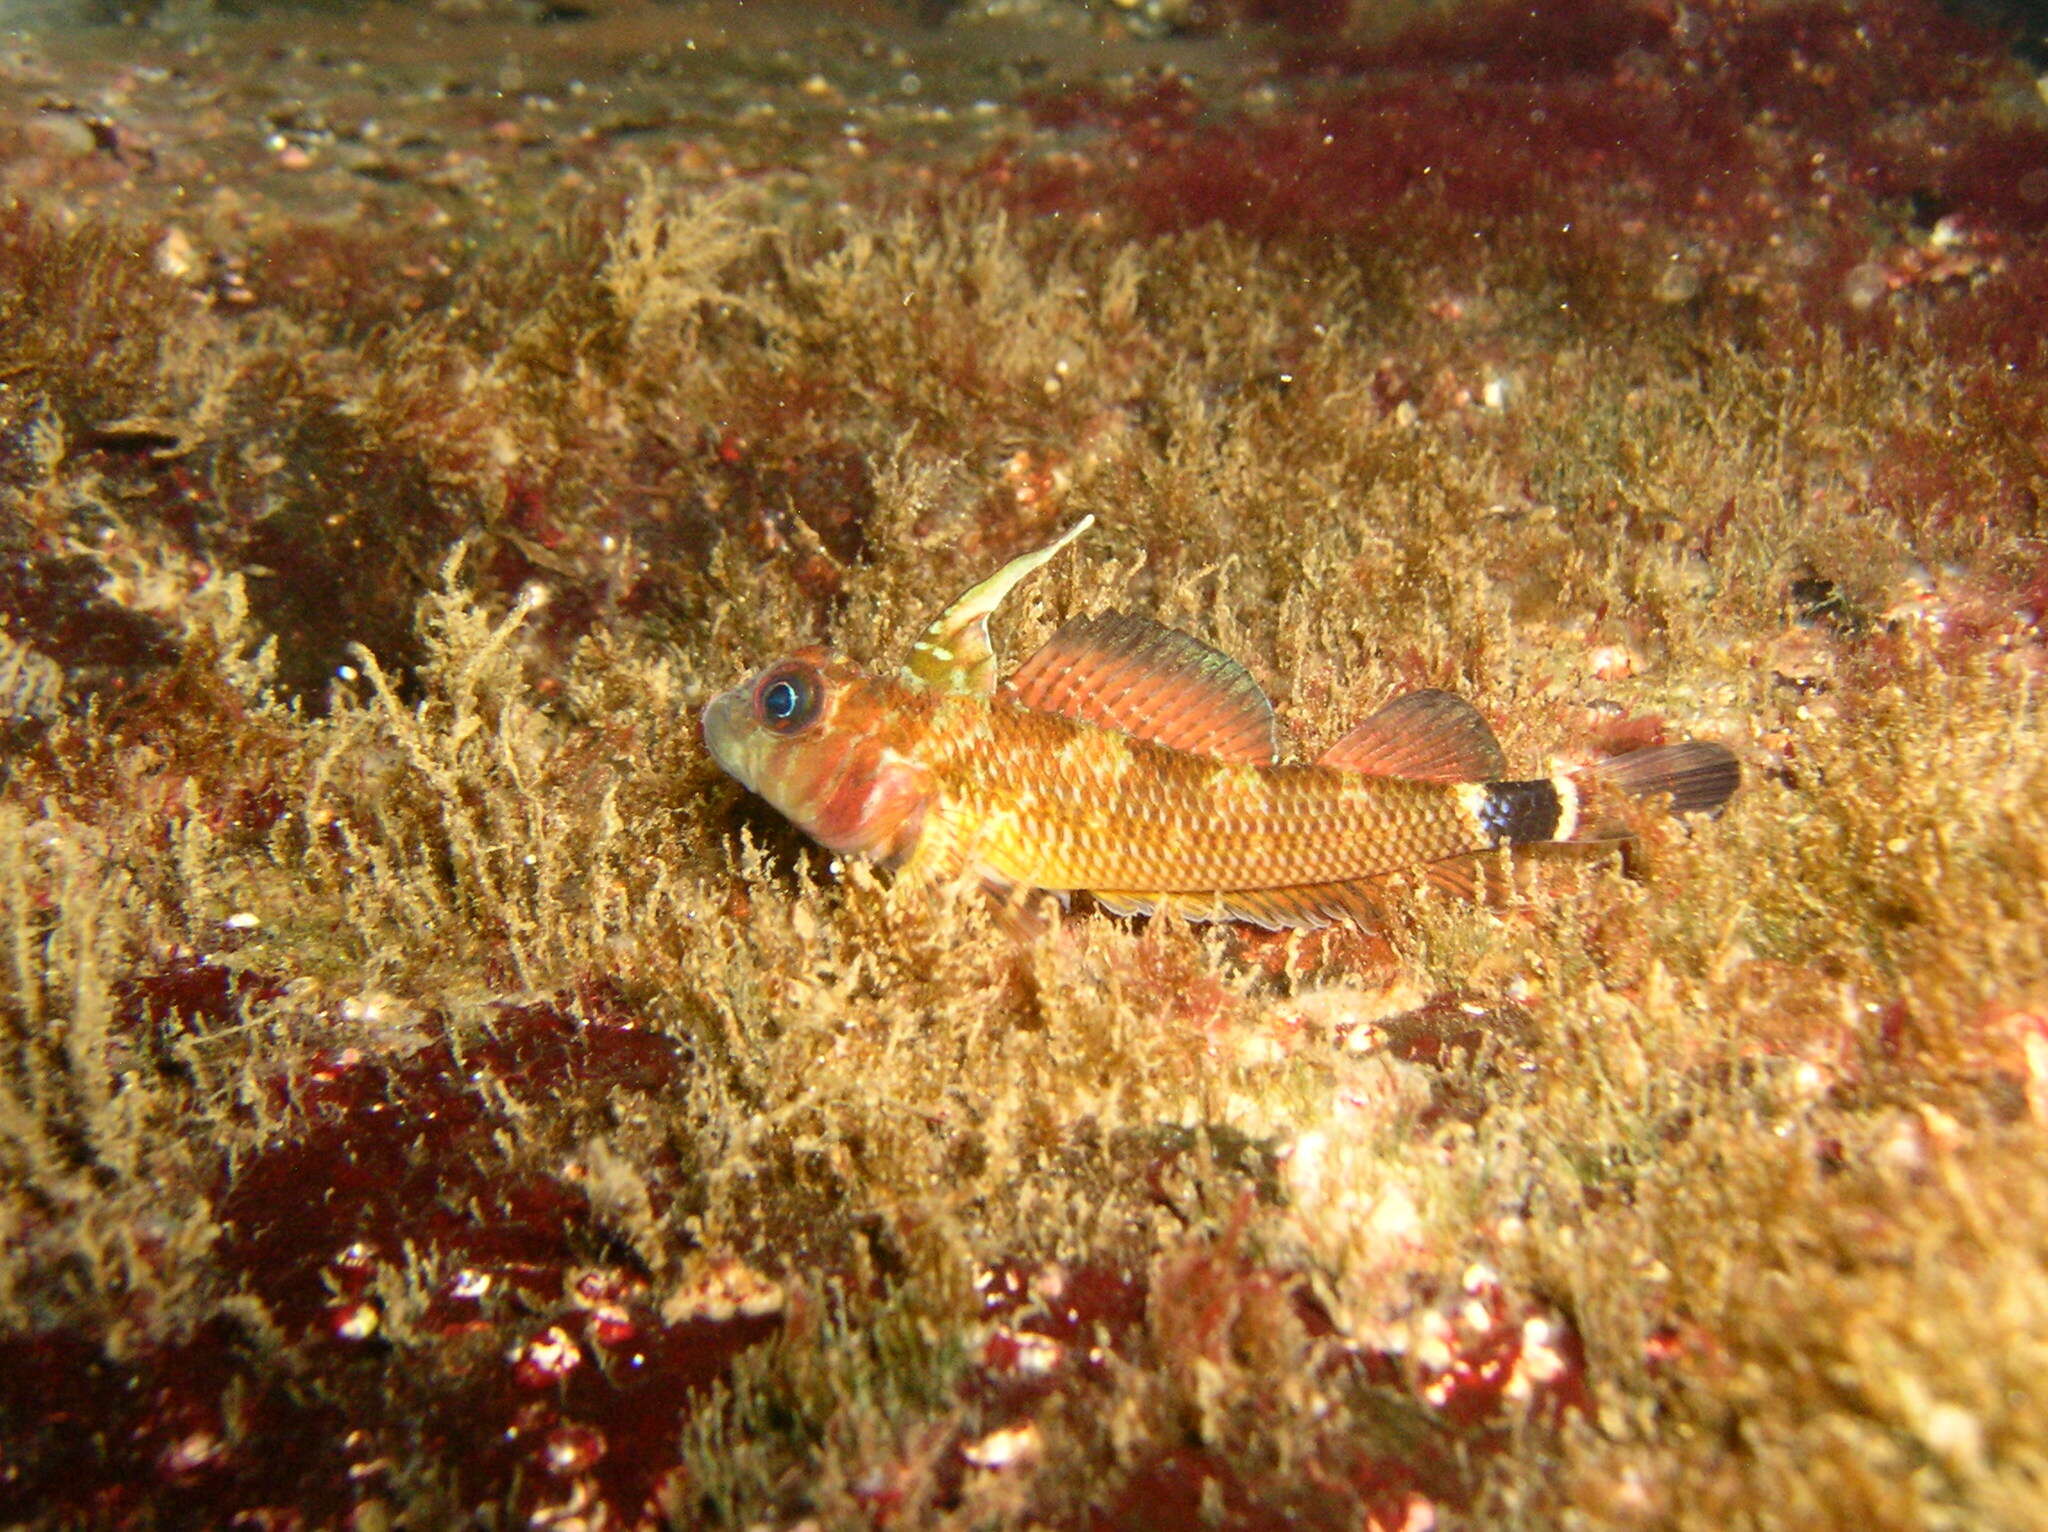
pixel 290 1414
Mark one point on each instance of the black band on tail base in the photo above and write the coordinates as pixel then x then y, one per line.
pixel 1515 813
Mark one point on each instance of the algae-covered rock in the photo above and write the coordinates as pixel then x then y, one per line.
pixel 432 1093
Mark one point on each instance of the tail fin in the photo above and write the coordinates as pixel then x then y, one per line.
pixel 1697 777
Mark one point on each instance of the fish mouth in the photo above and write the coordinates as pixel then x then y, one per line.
pixel 725 722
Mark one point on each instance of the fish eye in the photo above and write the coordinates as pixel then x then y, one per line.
pixel 786 699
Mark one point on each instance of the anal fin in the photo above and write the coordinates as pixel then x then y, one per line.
pixel 1457 876
pixel 1304 907
pixel 1362 902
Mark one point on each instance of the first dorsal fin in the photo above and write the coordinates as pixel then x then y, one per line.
pixel 954 654
pixel 1430 736
pixel 1150 681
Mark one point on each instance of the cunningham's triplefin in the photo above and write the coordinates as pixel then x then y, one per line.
pixel 1132 761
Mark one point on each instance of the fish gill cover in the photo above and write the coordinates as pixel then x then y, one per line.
pixel 432 1093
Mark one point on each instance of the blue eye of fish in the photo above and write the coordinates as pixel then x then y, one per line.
pixel 787 700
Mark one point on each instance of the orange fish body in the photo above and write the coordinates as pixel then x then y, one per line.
pixel 1133 762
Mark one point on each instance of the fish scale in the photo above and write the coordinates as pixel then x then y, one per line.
pixel 1130 760
pixel 1088 821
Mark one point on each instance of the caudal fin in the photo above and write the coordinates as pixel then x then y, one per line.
pixel 1698 777
pixel 1695 776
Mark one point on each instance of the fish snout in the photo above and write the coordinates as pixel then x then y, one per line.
pixel 728 728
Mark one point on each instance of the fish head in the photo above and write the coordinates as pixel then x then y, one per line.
pixel 819 739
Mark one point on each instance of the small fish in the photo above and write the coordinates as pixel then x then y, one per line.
pixel 1131 761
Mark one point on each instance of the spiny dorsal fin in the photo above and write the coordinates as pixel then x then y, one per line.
pixel 1430 736
pixel 1152 682
pixel 954 653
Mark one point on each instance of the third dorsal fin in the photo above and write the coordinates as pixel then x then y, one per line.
pixel 1153 682
pixel 1431 736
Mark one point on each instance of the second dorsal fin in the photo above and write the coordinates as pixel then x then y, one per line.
pixel 1430 736
pixel 1152 682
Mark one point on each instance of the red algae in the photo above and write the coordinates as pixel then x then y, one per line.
pixel 405 1151
pixel 215 1432
pixel 196 1433
pixel 2003 321
pixel 391 1172
pixel 1769 143
pixel 627 1410
pixel 763 488
pixel 1400 157
pixel 55 603
pixel 364 278
pixel 1063 1333
pixel 1509 44
pixel 1827 66
pixel 1641 371
pixel 1447 1034
pixel 1994 180
pixel 1051 1329
pixel 305 540
pixel 1183 1488
pixel 194 993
